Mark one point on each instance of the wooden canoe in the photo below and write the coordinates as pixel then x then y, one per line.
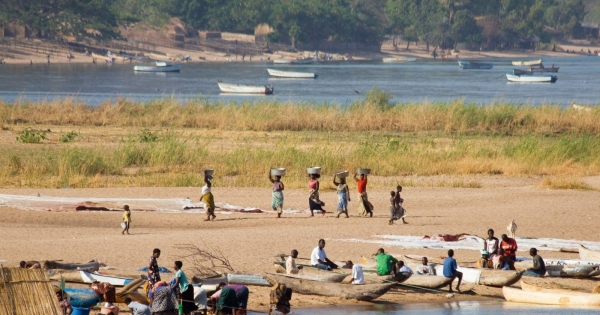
pixel 364 292
pixel 527 63
pixel 314 274
pixel 247 279
pixel 588 254
pixel 551 297
pixel 487 277
pixel 430 282
pixel 90 266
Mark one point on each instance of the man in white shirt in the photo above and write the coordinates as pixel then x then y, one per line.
pixel 425 269
pixel 290 263
pixel 319 259
pixel 357 273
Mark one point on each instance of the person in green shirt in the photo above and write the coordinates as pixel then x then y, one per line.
pixel 185 289
pixel 386 264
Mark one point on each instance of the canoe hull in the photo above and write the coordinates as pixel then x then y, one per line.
pixel 89 277
pixel 468 65
pixel 399 59
pixel 531 78
pixel 365 292
pixel 166 68
pixel 312 274
pixel 291 74
pixel 554 297
pixel 588 254
pixel 430 282
pixel 91 266
pixel 527 63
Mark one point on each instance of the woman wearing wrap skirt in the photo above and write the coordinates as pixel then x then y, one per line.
pixel 227 303
pixel 343 196
pixel 164 302
pixel 313 200
pixel 186 290
pixel 277 194
pixel 153 271
pixel 208 199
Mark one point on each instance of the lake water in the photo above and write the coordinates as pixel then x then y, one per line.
pixel 578 81
pixel 455 307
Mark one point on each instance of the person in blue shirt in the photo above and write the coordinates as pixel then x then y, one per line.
pixel 450 270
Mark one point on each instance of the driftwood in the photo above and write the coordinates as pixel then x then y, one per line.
pixel 207 261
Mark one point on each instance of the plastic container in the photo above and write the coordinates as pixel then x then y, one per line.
pixel 343 174
pixel 363 171
pixel 313 170
pixel 80 311
pixel 107 310
pixel 278 172
pixel 209 172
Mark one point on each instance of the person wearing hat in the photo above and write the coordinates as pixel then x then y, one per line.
pixel 485 262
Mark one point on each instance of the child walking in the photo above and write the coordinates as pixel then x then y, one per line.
pixel 126 219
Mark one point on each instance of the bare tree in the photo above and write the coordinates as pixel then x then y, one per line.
pixel 207 261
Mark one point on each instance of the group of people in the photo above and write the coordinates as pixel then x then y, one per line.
pixel 365 208
pixel 502 255
pixel 166 297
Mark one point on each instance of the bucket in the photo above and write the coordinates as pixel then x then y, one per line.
pixel 313 170
pixel 210 172
pixel 277 171
pixel 363 171
pixel 80 311
pixel 343 174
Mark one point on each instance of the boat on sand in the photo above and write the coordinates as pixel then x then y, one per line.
pixel 89 266
pixel 313 274
pixel 364 292
pixel 430 282
pixel 535 295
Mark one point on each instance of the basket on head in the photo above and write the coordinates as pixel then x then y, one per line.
pixel 278 172
pixel 343 174
pixel 363 171
pixel 208 172
pixel 313 170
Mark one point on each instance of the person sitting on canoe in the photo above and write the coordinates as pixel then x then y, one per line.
pixel 539 267
pixel 319 259
pixel 485 262
pixel 491 243
pixel 499 261
pixel 425 268
pixel 450 271
pixel 386 264
pixel 277 194
pixel 357 273
pixel 509 245
pixel 404 272
pixel 104 290
pixel 30 264
pixel 290 263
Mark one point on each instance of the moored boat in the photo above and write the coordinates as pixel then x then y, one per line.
pixel 399 59
pixel 541 68
pixel 89 277
pixel 245 89
pixel 163 57
pixel 464 64
pixel 551 297
pixel 527 63
pixel 512 77
pixel 161 66
pixel 364 292
pixel 586 108
pixel 588 254
pixel 303 61
pixel 90 266
pixel 282 61
pixel 291 74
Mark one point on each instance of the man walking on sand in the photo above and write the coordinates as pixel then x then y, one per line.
pixel 126 219
pixel 450 270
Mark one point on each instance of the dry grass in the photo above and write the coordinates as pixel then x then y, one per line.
pixel 565 183
pixel 374 113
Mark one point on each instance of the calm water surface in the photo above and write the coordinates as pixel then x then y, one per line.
pixel 578 81
pixel 463 308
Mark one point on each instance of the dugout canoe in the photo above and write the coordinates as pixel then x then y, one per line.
pixel 89 266
pixel 564 267
pixel 551 297
pixel 247 279
pixel 487 277
pixel 291 74
pixel 430 282
pixel 313 274
pixel 364 292
pixel 588 254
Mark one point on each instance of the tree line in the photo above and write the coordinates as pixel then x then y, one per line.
pixel 440 23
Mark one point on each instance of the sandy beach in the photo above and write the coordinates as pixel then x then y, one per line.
pixel 250 241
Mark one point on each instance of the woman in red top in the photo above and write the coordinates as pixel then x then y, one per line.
pixel 313 200
pixel 364 206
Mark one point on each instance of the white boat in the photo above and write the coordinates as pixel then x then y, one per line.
pixel 245 89
pixel 283 61
pixel 302 61
pixel 551 297
pixel 531 78
pixel 585 108
pixel 527 63
pixel 89 277
pixel 399 59
pixel 161 66
pixel 291 74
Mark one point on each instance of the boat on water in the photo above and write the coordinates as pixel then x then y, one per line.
pixel 535 295
pixel 527 62
pixel 399 59
pixel 363 292
pixel 283 61
pixel 161 66
pixel 245 88
pixel 588 254
pixel 543 78
pixel 302 61
pixel 541 68
pixel 291 74
pixel 464 64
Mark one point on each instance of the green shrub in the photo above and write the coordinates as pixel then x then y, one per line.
pixel 29 135
pixel 68 137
